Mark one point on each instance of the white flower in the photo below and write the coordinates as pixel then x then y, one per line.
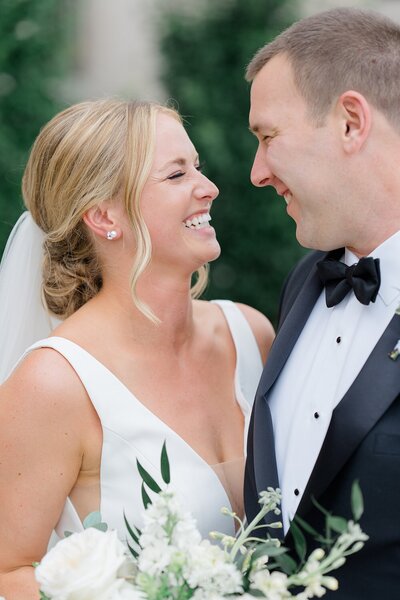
pixel 122 590
pixel 209 568
pixel 313 579
pixel 155 557
pixel 185 534
pixel 272 585
pixel 271 499
pixel 205 595
pixel 83 566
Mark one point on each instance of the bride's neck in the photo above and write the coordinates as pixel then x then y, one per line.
pixel 169 300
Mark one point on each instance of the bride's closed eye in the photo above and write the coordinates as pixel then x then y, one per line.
pixel 179 174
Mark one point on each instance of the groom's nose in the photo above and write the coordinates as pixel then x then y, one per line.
pixel 260 173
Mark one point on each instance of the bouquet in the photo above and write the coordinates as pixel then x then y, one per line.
pixel 168 559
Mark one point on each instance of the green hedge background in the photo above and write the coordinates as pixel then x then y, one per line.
pixel 204 61
pixel 204 70
pixel 33 57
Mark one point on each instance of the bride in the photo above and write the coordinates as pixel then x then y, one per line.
pixel 118 202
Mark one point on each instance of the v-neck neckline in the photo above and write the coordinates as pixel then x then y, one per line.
pixel 239 397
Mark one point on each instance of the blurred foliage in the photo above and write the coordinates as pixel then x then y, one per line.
pixel 205 59
pixel 31 62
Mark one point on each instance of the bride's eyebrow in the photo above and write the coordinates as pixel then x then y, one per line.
pixel 181 162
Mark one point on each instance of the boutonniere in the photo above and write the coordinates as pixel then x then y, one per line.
pixel 395 353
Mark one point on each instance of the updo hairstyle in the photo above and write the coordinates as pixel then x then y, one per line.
pixel 85 155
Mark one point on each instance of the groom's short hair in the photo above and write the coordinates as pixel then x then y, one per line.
pixel 339 50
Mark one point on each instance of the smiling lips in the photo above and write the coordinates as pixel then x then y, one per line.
pixel 198 221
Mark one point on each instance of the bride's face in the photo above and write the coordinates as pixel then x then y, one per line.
pixel 177 199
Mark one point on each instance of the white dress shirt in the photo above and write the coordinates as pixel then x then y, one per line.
pixel 330 352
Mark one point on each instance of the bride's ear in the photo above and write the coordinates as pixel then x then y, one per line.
pixel 102 221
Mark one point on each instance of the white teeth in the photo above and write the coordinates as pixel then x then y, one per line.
pixel 286 196
pixel 198 222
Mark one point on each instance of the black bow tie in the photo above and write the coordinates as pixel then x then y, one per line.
pixel 364 278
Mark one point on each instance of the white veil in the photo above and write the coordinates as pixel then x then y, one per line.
pixel 23 316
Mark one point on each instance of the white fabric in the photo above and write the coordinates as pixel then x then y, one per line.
pixel 23 318
pixel 131 431
pixel 320 370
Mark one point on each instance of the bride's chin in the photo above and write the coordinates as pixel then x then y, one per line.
pixel 213 253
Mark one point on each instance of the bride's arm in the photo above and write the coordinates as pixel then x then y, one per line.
pixel 262 329
pixel 43 410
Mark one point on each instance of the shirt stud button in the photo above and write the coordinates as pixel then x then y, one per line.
pixel 296 492
pixel 316 415
pixel 338 339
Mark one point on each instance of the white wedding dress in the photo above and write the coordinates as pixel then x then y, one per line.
pixel 131 431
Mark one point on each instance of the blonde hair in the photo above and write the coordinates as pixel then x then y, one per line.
pixel 86 154
pixel 337 50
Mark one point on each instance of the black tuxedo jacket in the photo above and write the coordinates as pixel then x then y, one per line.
pixel 362 442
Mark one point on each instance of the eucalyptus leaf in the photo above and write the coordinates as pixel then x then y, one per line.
pixel 101 526
pixel 67 533
pixel 134 532
pixel 92 519
pixel 299 540
pixel 43 596
pixel 165 470
pixel 147 478
pixel 357 501
pixel 338 524
pixel 145 497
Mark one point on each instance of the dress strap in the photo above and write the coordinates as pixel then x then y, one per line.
pixel 249 361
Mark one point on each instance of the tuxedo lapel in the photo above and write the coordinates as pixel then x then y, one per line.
pixel 357 413
pixel 261 451
pixel 294 320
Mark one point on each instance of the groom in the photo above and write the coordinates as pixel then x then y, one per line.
pixel 325 108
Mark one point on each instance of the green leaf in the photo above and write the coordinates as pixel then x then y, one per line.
pixel 305 526
pixel 286 563
pixel 67 533
pixel 320 508
pixel 268 549
pixel 43 596
pixel 299 540
pixel 165 470
pixel 101 526
pixel 338 524
pixel 132 550
pixel 145 497
pixel 357 501
pixel 92 519
pixel 148 480
pixel 134 532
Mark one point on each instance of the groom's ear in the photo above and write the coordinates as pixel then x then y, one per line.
pixel 102 219
pixel 354 114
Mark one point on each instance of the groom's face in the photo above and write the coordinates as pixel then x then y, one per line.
pixel 294 155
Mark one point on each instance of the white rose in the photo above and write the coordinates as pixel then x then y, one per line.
pixel 122 590
pixel 82 566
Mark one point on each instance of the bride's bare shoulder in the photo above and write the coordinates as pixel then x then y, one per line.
pixel 44 380
pixel 260 325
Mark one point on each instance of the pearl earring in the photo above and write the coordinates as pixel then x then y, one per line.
pixel 111 235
